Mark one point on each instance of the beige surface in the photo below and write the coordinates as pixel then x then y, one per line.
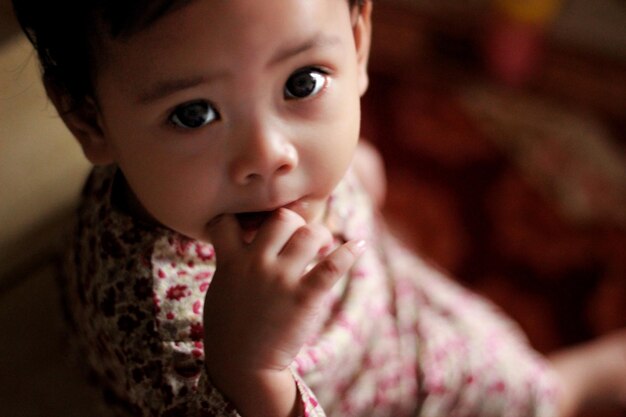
pixel 41 167
pixel 36 377
pixel 41 170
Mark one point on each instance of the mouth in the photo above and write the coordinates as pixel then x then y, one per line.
pixel 252 221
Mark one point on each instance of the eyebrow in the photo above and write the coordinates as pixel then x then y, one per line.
pixel 319 40
pixel 164 88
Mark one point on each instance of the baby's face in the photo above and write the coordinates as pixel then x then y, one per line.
pixel 235 106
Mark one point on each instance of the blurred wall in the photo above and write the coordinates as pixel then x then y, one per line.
pixel 41 166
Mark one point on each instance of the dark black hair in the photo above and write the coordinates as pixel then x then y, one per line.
pixel 65 33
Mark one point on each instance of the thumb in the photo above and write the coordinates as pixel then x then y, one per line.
pixel 224 233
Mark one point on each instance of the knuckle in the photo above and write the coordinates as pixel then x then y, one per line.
pixel 305 233
pixel 259 261
pixel 263 263
pixel 321 231
pixel 330 267
pixel 315 233
pixel 306 298
pixel 326 236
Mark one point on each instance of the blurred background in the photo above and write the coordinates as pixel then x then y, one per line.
pixel 503 128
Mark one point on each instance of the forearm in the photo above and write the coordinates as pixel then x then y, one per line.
pixel 572 379
pixel 594 372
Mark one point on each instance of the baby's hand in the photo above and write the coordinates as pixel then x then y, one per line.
pixel 261 306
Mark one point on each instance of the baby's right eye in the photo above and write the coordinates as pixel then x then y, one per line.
pixel 194 114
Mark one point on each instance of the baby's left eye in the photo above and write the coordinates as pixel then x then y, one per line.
pixel 305 83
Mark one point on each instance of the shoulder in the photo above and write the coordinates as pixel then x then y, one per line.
pixel 110 250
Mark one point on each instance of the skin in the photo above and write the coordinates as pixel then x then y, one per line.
pixel 258 148
pixel 593 374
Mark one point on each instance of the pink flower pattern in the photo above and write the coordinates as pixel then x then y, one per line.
pixel 397 339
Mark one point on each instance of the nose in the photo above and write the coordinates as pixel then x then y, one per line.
pixel 263 152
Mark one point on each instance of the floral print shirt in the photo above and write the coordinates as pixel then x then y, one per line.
pixel 398 338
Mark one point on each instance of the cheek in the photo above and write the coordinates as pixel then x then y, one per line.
pixel 334 147
pixel 346 127
pixel 179 193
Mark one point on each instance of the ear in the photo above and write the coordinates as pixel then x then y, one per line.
pixel 362 30
pixel 85 124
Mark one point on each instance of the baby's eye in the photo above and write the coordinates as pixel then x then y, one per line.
pixel 194 114
pixel 305 83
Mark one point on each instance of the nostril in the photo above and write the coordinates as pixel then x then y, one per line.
pixel 261 164
pixel 285 168
pixel 252 177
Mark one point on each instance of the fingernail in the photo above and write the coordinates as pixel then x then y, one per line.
pixel 360 246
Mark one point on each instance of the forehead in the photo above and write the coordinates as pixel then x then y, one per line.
pixel 218 27
pixel 217 39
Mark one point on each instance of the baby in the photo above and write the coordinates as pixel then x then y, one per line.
pixel 227 259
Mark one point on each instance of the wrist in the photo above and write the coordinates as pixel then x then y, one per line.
pixel 259 393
